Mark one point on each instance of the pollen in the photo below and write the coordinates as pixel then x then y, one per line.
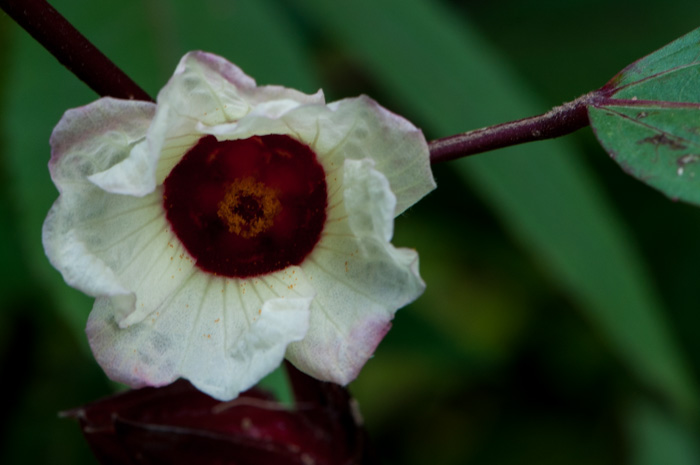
pixel 249 207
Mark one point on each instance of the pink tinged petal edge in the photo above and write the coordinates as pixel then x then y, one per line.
pixel 209 95
pixel 217 65
pixel 88 140
pixel 399 149
pixel 353 128
pixel 106 245
pixel 345 359
pixel 361 279
pixel 92 138
pixel 104 137
pixel 210 332
pixel 215 73
pixel 135 175
pixel 366 337
pixel 246 85
pixel 79 268
pixel 338 354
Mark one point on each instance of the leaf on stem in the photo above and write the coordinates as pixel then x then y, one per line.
pixel 649 120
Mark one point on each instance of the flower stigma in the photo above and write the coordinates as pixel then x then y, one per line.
pixel 247 207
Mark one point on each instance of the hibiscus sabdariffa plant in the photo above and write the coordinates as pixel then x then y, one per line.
pixel 229 226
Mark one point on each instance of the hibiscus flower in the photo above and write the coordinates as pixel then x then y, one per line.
pixel 231 225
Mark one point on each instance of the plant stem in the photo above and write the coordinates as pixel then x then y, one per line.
pixel 559 121
pixel 84 60
pixel 72 49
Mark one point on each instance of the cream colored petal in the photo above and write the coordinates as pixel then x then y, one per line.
pixel 209 89
pixel 87 141
pixel 370 131
pixel 223 335
pixel 94 138
pixel 206 91
pixel 106 244
pixel 134 175
pixel 361 279
pixel 172 151
pixel 351 129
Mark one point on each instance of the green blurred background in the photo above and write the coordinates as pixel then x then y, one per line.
pixel 560 319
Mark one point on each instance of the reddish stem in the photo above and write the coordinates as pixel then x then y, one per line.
pixel 82 58
pixel 557 122
pixel 72 49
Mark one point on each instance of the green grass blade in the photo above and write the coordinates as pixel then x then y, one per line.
pixel 656 437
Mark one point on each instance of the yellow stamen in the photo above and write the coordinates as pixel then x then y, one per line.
pixel 249 207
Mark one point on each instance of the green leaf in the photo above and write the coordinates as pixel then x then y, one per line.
pixel 656 143
pixel 670 74
pixel 649 120
pixel 440 72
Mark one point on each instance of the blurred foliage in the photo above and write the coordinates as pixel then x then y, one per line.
pixel 559 324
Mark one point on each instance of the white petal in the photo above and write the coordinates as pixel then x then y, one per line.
pixel 250 125
pixel 107 244
pixel 367 186
pixel 206 88
pixel 397 147
pixel 79 267
pixel 361 279
pixel 274 108
pixel 223 335
pixel 87 141
pixel 214 70
pixel 105 143
pixel 208 91
pixel 91 139
pixel 212 90
pixel 133 176
pixel 170 142
pixel 351 129
pixel 263 119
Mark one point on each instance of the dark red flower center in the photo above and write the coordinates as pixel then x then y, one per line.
pixel 247 207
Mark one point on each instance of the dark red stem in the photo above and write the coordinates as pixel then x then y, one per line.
pixel 82 58
pixel 559 121
pixel 72 49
